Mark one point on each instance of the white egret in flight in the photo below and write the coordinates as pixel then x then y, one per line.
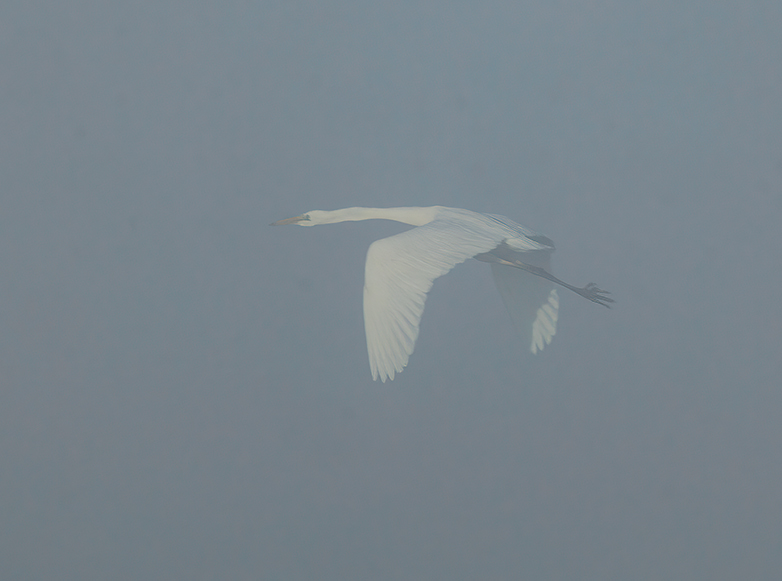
pixel 400 271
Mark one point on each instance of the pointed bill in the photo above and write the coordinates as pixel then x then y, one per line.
pixel 294 220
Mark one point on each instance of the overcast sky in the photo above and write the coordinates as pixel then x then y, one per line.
pixel 185 392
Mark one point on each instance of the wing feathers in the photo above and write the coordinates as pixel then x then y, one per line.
pixel 545 324
pixel 532 302
pixel 400 270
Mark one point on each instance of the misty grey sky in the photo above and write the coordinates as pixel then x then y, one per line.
pixel 184 390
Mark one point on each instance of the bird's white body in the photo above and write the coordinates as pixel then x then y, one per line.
pixel 401 269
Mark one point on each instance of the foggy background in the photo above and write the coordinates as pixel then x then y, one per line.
pixel 185 392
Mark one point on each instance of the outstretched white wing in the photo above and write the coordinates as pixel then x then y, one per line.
pixel 400 271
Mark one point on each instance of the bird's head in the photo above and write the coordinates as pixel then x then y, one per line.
pixel 303 220
pixel 311 218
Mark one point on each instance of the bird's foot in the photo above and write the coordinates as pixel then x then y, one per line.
pixel 596 295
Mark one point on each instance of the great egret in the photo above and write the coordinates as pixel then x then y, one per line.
pixel 400 271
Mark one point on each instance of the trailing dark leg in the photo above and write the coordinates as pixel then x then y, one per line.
pixel 590 291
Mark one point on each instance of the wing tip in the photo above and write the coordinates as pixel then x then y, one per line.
pixel 545 325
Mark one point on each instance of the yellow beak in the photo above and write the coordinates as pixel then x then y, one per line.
pixel 294 220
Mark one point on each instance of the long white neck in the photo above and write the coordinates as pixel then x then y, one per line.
pixel 412 215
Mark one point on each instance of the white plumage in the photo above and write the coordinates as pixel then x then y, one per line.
pixel 401 269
